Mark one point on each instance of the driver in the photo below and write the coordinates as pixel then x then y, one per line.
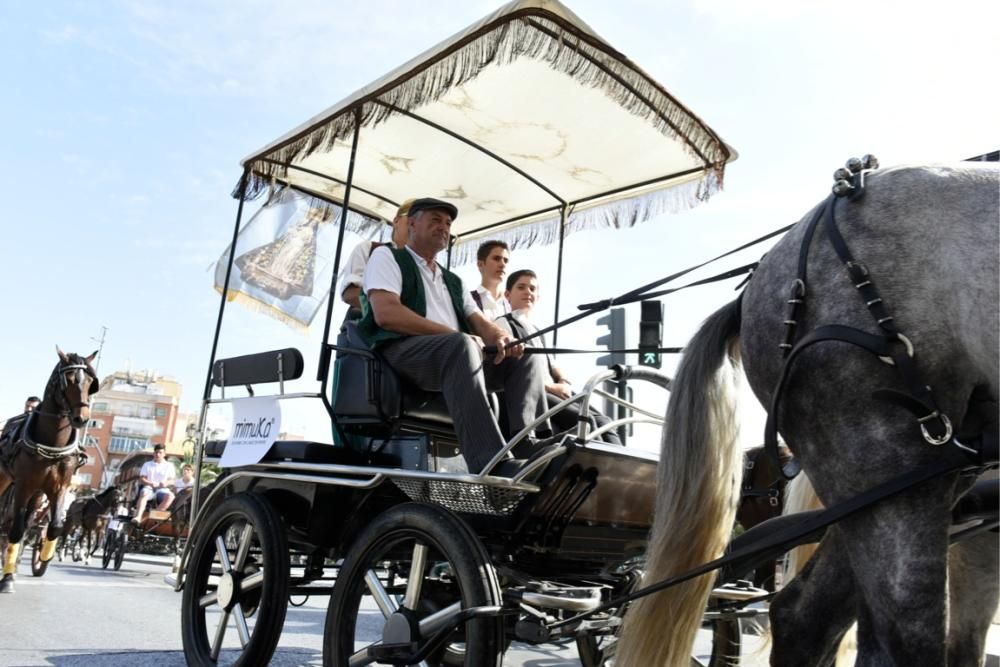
pixel 426 325
pixel 157 477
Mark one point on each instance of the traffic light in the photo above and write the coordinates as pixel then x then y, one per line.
pixel 650 333
pixel 614 339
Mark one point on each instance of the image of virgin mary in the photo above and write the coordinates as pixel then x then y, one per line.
pixel 285 267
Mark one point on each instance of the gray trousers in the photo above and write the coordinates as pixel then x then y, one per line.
pixel 453 365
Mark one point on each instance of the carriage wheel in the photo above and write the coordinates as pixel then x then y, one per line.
pixel 38 566
pixel 110 544
pixel 237 575
pixel 727 641
pixel 120 549
pixel 410 562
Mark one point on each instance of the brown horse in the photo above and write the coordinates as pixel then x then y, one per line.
pixel 40 451
pixel 761 498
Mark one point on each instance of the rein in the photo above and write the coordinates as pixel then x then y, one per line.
pixel 639 294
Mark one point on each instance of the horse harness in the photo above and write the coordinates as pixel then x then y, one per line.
pixel 891 345
pixel 20 437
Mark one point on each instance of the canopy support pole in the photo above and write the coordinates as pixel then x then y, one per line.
pixel 324 353
pixel 207 394
pixel 563 217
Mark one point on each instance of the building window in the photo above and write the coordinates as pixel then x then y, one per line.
pixel 96 423
pixel 144 413
pixel 122 445
pixel 161 412
pixel 83 478
pixel 100 407
pixel 92 441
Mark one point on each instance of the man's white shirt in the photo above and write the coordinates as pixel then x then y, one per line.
pixel 383 273
pixel 492 308
pixel 354 272
pixel 158 472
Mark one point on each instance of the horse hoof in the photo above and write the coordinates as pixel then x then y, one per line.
pixel 7 584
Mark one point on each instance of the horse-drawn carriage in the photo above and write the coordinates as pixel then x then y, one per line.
pixel 537 128
pixel 156 531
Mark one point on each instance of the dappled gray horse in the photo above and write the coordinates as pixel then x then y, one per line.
pixel 929 239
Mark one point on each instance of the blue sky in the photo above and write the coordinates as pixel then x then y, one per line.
pixel 124 121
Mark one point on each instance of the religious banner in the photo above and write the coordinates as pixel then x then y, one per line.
pixel 284 257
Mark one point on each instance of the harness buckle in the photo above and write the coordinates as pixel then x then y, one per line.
pixel 858 273
pixel 773 501
pixel 945 424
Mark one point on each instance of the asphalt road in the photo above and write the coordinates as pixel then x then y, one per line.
pixel 80 614
pixel 83 615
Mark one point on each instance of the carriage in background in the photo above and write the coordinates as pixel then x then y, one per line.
pixel 157 532
pixel 457 565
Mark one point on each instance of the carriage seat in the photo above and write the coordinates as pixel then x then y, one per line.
pixel 366 390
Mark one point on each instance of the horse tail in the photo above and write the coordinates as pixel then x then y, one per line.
pixel 697 494
pixel 799 497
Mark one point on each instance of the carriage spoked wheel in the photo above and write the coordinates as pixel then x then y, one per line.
pixel 38 566
pixel 236 585
pixel 120 543
pixel 406 572
pixel 108 550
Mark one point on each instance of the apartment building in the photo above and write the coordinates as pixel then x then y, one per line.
pixel 132 411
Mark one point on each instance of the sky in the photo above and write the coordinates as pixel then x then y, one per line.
pixel 124 122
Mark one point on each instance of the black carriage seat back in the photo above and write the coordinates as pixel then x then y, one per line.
pixel 366 390
pixel 260 368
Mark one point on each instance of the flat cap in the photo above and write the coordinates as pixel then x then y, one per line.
pixel 426 203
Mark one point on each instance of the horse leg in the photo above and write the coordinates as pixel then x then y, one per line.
pixel 898 551
pixel 57 517
pixel 21 509
pixel 973 591
pixel 810 615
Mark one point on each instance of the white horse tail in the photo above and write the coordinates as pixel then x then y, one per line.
pixel 799 497
pixel 697 494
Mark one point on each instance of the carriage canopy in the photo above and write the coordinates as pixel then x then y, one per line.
pixel 522 118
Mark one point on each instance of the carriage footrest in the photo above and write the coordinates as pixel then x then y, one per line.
pixel 158 515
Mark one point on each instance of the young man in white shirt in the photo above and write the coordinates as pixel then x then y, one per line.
pixel 522 293
pixel 491 260
pixel 426 325
pixel 354 272
pixel 157 477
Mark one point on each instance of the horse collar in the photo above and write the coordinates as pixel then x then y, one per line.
pixel 23 439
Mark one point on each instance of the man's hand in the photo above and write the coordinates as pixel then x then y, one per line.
pixel 502 341
pixel 560 389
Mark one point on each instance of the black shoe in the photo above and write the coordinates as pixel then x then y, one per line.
pixel 508 467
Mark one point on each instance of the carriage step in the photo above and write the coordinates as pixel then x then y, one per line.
pixel 738 591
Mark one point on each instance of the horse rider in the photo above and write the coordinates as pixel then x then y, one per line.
pixel 157 477
pixel 428 328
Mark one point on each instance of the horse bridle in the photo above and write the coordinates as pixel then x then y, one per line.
pixel 772 491
pixel 61 400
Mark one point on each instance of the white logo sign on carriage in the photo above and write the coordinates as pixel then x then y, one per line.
pixel 256 424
